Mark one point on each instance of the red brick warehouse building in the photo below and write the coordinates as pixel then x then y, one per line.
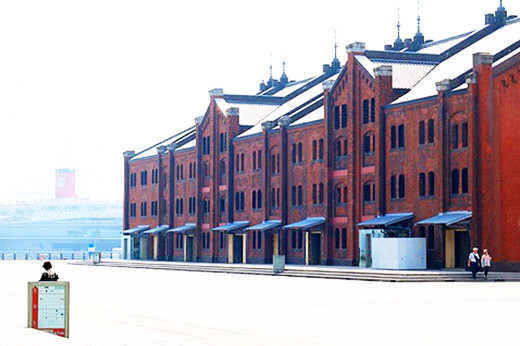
pixel 417 140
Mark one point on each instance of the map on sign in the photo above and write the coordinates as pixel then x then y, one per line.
pixel 49 307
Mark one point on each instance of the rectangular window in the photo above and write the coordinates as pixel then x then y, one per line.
pixel 320 149
pixel 293 239
pixel 314 194
pixel 336 117
pixel 422 138
pixel 400 136
pixel 372 110
pixel 259 159
pixel 464 180
pixel 402 192
pixel 464 135
pixel 314 150
pixel 366 118
pixel 343 116
pixel 431 183
pixel 344 238
pixel 455 181
pixel 393 137
pixel 300 239
pixel 336 238
pixel 431 131
pixel 455 136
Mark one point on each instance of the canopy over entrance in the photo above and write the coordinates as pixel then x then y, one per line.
pixel 233 227
pixel 448 219
pixel 305 224
pixel 187 229
pixel 157 230
pixel 388 220
pixel 265 226
pixel 136 230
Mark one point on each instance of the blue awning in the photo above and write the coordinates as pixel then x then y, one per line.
pixel 135 230
pixel 307 223
pixel 157 229
pixel 448 218
pixel 265 225
pixel 232 227
pixel 386 220
pixel 186 229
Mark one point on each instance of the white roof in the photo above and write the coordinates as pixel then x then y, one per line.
pixel 441 46
pixel 315 115
pixel 289 106
pixel 249 113
pixel 463 61
pixel 405 74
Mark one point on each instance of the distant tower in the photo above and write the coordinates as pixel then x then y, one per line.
pixel 398 44
pixel 65 183
pixel 283 79
pixel 418 39
pixel 336 65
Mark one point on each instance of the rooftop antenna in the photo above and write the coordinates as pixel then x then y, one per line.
pixel 419 16
pixel 501 4
pixel 271 68
pixel 283 63
pixel 335 46
pixel 398 23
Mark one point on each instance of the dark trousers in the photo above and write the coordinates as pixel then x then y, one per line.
pixel 486 270
pixel 474 269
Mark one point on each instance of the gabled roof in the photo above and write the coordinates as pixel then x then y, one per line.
pixel 308 101
pixel 460 63
pixel 406 74
pixel 251 109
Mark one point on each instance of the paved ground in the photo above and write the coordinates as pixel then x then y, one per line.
pixel 120 306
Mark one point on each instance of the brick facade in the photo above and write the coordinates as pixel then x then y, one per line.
pixel 371 152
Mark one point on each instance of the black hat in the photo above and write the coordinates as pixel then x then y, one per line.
pixel 47 265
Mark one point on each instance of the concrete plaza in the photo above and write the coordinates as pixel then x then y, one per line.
pixel 122 306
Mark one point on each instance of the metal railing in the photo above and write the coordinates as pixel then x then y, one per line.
pixel 46 255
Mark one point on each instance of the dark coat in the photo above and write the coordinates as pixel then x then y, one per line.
pixel 49 275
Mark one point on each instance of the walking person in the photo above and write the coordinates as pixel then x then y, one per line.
pixel 474 262
pixel 486 262
pixel 49 274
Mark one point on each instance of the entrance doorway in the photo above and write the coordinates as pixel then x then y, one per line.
pixel 136 248
pixel 315 248
pixel 365 248
pixel 238 248
pixel 189 249
pixel 461 249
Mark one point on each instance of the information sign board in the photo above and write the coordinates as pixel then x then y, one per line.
pixel 48 307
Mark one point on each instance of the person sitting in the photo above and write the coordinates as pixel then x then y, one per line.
pixel 49 274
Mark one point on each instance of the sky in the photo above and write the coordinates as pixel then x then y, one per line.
pixel 83 81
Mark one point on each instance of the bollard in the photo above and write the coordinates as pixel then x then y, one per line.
pixel 72 255
pixel 50 256
pixel 61 256
pixel 14 256
pixel 84 256
pixel 26 256
pixel 2 256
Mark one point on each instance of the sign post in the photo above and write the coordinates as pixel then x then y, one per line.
pixel 48 307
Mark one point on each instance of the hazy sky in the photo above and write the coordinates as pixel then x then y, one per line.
pixel 83 81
